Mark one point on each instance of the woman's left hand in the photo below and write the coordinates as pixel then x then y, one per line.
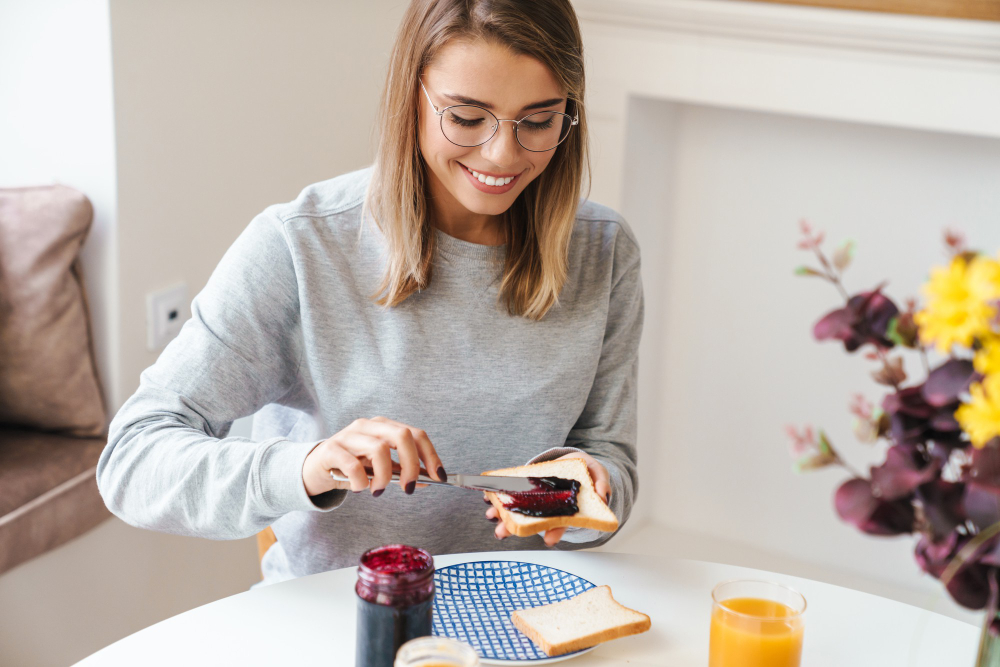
pixel 602 484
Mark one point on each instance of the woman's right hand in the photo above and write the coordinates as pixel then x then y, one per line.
pixel 368 442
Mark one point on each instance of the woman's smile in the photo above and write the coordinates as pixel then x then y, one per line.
pixel 494 184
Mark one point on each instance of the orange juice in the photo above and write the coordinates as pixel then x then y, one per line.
pixel 754 632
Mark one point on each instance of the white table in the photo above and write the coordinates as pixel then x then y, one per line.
pixel 311 621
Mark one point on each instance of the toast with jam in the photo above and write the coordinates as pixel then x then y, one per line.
pixel 564 495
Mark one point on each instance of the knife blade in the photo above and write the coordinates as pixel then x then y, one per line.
pixel 471 482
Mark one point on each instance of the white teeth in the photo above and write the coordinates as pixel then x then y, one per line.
pixel 490 180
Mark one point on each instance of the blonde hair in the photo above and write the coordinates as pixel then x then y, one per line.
pixel 539 223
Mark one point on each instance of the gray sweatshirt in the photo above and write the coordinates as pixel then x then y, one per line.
pixel 285 329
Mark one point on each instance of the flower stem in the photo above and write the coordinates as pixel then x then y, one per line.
pixel 831 274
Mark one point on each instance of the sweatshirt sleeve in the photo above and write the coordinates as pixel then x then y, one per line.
pixel 168 465
pixel 606 429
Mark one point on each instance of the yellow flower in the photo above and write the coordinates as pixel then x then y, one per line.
pixel 980 418
pixel 987 360
pixel 961 303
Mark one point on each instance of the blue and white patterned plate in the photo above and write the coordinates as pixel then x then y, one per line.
pixel 473 603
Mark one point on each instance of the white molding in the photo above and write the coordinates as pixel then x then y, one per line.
pixel 925 36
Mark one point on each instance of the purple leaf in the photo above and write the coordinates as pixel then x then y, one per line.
pixel 856 504
pixel 970 585
pixel 981 505
pixel 942 506
pixel 948 381
pixel 903 471
pixel 835 324
pixel 984 469
pixel 865 319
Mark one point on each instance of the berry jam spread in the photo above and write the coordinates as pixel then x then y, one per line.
pixel 396 559
pixel 552 496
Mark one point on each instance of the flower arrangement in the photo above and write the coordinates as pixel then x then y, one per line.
pixel 940 478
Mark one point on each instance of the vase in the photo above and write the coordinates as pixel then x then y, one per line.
pixel 989 644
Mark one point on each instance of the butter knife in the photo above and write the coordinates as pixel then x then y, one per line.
pixel 471 482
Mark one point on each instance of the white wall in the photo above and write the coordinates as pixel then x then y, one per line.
pixel 715 197
pixel 223 108
pixel 57 126
pixel 218 110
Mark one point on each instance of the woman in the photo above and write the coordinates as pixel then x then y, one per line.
pixel 457 303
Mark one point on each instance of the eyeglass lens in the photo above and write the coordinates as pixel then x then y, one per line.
pixel 472 126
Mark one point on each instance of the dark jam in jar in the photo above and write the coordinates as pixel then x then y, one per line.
pixel 395 601
pixel 552 496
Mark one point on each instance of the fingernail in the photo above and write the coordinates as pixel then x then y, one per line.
pixel 378 492
pixel 487 501
pixel 409 487
pixel 496 536
pixel 441 473
pixel 494 519
pixel 607 498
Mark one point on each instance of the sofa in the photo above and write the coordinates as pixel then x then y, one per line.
pixel 53 417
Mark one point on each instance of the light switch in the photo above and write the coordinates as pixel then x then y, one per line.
pixel 166 312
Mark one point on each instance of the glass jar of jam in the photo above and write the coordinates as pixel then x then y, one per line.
pixel 436 652
pixel 395 601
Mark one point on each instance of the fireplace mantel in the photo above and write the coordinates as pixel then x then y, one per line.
pixel 925 73
pixel 815 26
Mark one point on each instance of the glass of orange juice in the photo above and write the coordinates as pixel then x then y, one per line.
pixel 756 624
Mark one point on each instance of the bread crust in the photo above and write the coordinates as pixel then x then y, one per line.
pixel 593 639
pixel 522 528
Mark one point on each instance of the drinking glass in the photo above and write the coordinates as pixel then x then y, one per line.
pixel 436 652
pixel 756 624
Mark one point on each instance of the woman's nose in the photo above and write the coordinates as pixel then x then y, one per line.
pixel 502 149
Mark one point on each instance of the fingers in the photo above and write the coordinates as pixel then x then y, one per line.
pixel 552 536
pixel 381 467
pixel 603 490
pixel 501 532
pixel 348 464
pixel 602 480
pixel 414 447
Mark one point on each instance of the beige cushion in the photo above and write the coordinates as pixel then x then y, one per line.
pixel 47 375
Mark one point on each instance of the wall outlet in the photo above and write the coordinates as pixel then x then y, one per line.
pixel 166 311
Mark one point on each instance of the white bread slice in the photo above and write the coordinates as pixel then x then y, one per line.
pixel 593 512
pixel 588 619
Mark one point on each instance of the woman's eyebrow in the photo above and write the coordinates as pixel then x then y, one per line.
pixel 462 99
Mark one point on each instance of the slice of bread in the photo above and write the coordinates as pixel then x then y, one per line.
pixel 588 619
pixel 593 512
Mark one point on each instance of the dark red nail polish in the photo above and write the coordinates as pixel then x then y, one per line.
pixel 378 492
pixel 487 501
pixel 494 519
pixel 410 486
pixel 441 473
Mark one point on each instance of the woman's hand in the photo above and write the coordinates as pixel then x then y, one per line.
pixel 602 484
pixel 368 442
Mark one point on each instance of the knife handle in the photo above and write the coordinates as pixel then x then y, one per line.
pixel 422 478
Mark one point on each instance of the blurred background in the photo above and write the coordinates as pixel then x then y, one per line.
pixel 717 126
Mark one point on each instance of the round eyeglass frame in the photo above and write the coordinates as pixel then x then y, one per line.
pixel 574 120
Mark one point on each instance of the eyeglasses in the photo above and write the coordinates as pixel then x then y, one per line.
pixel 468 125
